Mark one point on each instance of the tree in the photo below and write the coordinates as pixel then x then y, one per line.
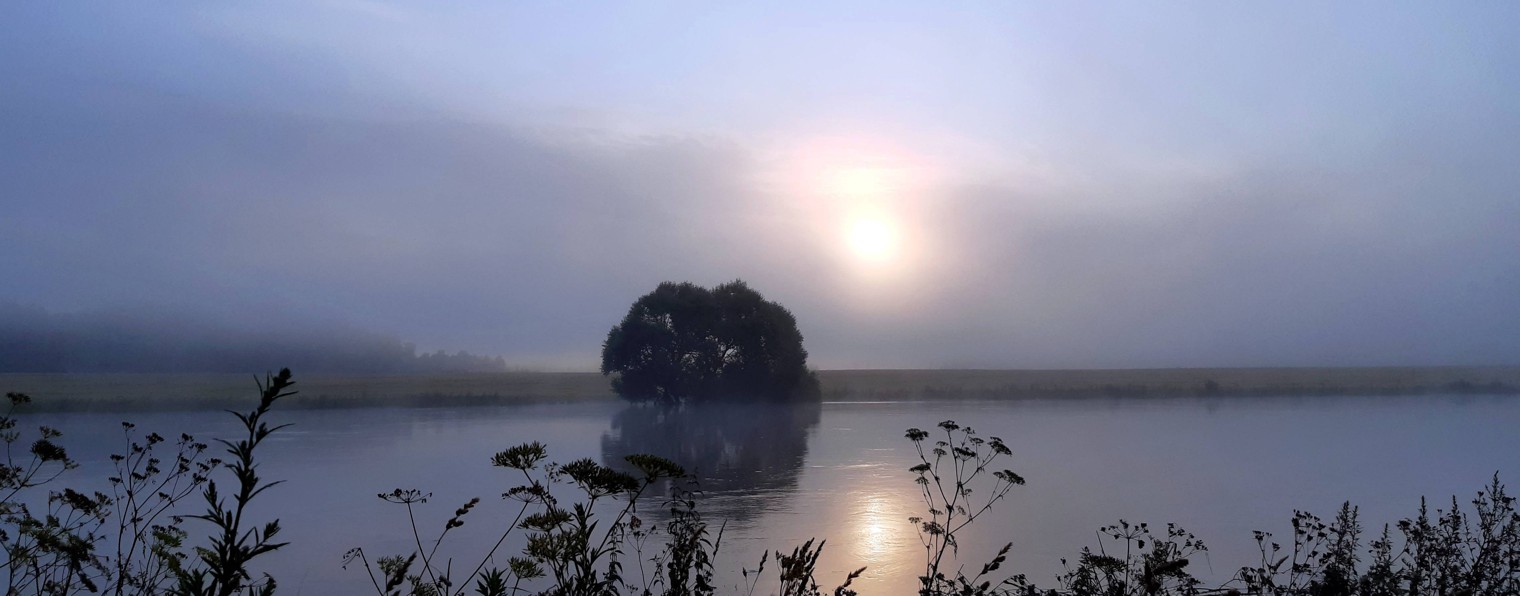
pixel 685 342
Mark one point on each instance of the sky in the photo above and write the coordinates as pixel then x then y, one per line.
pixel 924 185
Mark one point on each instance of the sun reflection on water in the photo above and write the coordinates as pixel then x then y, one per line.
pixel 881 537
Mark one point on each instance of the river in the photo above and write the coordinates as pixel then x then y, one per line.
pixel 775 476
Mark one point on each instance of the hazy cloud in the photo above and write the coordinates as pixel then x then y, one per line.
pixel 1127 205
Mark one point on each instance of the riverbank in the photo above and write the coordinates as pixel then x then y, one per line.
pixel 121 392
pixel 897 385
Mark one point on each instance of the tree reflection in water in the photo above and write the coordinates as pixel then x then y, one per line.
pixel 746 456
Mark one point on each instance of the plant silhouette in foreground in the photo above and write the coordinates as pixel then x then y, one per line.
pixel 798 571
pixel 945 474
pixel 54 553
pixel 582 548
pixel 60 551
pixel 564 543
pixel 144 496
pixel 76 546
pixel 1454 554
pixel 1147 565
pixel 223 569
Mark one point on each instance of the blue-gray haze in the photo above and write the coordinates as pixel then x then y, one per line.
pixel 1066 184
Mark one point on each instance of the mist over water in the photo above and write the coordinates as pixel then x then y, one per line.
pixel 395 197
pixel 778 475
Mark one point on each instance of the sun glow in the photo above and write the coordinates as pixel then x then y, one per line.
pixel 863 183
pixel 872 239
pixel 863 200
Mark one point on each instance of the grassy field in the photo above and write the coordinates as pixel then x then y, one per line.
pixel 889 385
pixel 216 391
pixel 105 392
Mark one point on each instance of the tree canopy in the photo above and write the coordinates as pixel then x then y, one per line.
pixel 685 342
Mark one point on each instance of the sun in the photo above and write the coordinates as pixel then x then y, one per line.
pixel 872 239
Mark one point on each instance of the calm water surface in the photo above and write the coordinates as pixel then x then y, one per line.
pixel 779 475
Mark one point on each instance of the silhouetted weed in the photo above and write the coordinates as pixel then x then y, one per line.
pixel 945 475
pixel 61 552
pixel 223 568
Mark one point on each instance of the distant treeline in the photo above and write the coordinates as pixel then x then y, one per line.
pixel 1213 389
pixel 33 340
pixel 890 385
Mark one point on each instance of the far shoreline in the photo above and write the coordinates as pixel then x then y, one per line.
pixel 106 392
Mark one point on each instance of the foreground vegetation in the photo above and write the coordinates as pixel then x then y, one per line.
pixel 66 544
pixel 581 531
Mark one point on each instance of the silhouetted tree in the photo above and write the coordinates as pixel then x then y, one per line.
pixel 685 342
